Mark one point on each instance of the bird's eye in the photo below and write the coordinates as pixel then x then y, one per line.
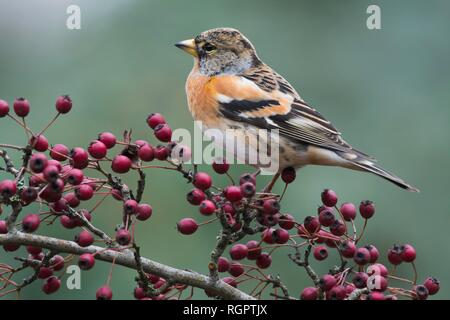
pixel 208 47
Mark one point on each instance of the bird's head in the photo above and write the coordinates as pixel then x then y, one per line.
pixel 221 51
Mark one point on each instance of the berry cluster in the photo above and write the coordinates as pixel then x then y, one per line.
pixel 64 180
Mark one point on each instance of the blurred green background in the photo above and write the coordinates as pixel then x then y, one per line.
pixel 388 90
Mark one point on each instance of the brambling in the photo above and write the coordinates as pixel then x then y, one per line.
pixel 230 87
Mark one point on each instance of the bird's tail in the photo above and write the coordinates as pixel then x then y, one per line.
pixel 365 164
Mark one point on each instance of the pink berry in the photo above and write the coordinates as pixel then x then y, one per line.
pixel 121 164
pixel 362 256
pixel 97 149
pixel 108 139
pixel 326 217
pixel 253 250
pixel 4 108
pixel 367 209
pixel 337 293
pixel 230 281
pixel 3 227
pixel 309 293
pixel 267 236
pixel 421 292
pixel 161 152
pixel 57 262
pixel 223 265
pixel 432 284
pixel 378 268
pixel 84 239
pixel 38 162
pixel 376 295
pixel 163 132
pixel 195 197
pixel 207 207
pixel 394 255
pixel 8 188
pixel 51 285
pixel 281 236
pixel 202 181
pixel 51 173
pixel 31 222
pixel 233 193
pixel 247 177
pixel 360 280
pixel 144 211
pixel 44 272
pixel 187 226
pixel 377 283
pixel 238 251
pixel 63 104
pixel 86 261
pixel 59 152
pixel 338 228
pixel 264 260
pixel 123 237
pixel 271 206
pixel 67 222
pixel 327 281
pixel 72 199
pixel 39 143
pixel 348 211
pixel 146 153
pixel 320 253
pixel 374 254
pixel 21 107
pixel 79 158
pixel 220 166
pixel 288 175
pixel 312 224
pixel 329 198
pixel 236 269
pixel 84 192
pixel 130 206
pixel 408 253
pixel 155 119
pixel 104 293
pixel 139 293
pixel 248 189
pixel 286 221
pixel 347 249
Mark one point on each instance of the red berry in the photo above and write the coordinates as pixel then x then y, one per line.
pixel 121 164
pixel 338 228
pixel 108 139
pixel 207 207
pixel 360 280
pixel 202 181
pixel 394 255
pixel 311 224
pixel 97 149
pixel 195 197
pixel 320 253
pixel 11 247
pixel 139 293
pixel 63 104
pixel 281 236
pixel 238 251
pixel 309 293
pixel 51 173
pixel 59 206
pixel 230 281
pixel 349 288
pixel 264 260
pixel 267 236
pixel 155 119
pixel 79 158
pixel 337 293
pixel 146 153
pixel 84 192
pixel 408 253
pixel 367 209
pixel 187 226
pixel 432 284
pixel 84 239
pixel 8 188
pixel 44 273
pixel 38 162
pixel 377 283
pixel 247 177
pixel 104 293
pixel 362 256
pixel 327 282
pixel 59 152
pixel 67 222
pixel 254 250
pixel 348 211
pixel 326 217
pixel 130 207
pixel 236 269
pixel 223 264
pixel 39 143
pixel 72 199
pixel 329 198
pixel 4 108
pixel 86 261
pixel 376 295
pixel 3 227
pixel 377 268
pixel 347 249
pixel 31 222
pixel 21 107
pixel 248 189
pixel 57 262
pixel 51 285
pixel 123 237
pixel 163 132
pixel 421 292
pixel 286 221
pixel 271 206
pixel 220 166
pixel 75 177
pixel 144 211
pixel 34 250
pixel 233 193
pixel 161 153
pixel 288 175
pixel 374 254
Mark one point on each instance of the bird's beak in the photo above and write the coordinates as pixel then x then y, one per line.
pixel 188 46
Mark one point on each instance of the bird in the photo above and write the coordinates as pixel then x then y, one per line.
pixel 229 86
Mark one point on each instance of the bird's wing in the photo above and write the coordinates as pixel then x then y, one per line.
pixel 263 98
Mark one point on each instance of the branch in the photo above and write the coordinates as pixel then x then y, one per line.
pixel 126 258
